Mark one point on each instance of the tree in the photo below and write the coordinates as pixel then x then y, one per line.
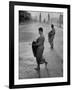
pixel 24 16
pixel 48 18
pixel 40 17
pixel 60 20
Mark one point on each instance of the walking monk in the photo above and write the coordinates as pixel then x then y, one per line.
pixel 38 48
pixel 51 36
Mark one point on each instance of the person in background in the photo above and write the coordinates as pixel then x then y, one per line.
pixel 51 36
pixel 38 48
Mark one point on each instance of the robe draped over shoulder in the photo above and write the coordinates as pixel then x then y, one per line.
pixel 38 49
pixel 51 35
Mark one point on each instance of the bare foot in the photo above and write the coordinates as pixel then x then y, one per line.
pixel 37 68
pixel 46 63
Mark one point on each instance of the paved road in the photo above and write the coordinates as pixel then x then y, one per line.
pixel 27 62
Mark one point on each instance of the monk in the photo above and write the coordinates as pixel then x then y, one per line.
pixel 51 36
pixel 38 48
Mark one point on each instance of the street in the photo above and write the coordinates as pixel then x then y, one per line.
pixel 27 62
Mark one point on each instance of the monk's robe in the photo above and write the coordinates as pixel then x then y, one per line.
pixel 51 35
pixel 38 48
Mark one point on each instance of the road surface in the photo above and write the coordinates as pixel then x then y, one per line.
pixel 27 62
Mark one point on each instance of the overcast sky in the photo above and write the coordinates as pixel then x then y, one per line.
pixel 45 14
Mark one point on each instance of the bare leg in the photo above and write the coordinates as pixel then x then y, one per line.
pixel 52 46
pixel 38 66
pixel 45 61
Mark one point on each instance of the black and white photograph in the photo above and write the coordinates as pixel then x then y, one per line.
pixel 39 45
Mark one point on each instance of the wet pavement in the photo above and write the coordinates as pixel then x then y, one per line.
pixel 27 61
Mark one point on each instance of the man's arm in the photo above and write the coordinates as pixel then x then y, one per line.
pixel 40 42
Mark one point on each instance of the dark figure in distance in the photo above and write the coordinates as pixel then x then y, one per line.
pixel 38 48
pixel 51 36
